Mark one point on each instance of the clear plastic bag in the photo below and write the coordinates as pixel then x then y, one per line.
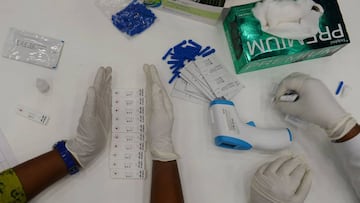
pixel 110 7
pixel 33 48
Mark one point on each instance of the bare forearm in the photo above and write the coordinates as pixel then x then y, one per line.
pixel 166 185
pixel 350 135
pixel 38 173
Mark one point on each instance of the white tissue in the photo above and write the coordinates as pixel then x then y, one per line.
pixel 292 19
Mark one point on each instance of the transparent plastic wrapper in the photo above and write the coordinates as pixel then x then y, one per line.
pixel 33 48
pixel 111 7
pixel 130 17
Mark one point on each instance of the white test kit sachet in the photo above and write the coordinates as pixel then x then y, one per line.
pixel 209 77
pixel 32 48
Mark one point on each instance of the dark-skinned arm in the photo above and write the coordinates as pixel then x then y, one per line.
pixel 38 173
pixel 166 186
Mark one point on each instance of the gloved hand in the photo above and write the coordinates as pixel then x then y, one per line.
pixel 315 104
pixel 284 180
pixel 160 117
pixel 95 121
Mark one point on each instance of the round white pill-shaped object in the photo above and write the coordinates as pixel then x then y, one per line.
pixel 42 85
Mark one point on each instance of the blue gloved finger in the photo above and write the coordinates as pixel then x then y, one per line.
pixel 304 187
pixel 289 166
pixel 89 108
pixel 275 165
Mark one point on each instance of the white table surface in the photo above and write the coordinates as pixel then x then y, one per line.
pixel 208 174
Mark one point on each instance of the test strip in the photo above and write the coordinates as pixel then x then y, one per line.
pixel 32 115
pixel 192 75
pixel 127 174
pixel 127 160
pixel 218 78
pixel 128 137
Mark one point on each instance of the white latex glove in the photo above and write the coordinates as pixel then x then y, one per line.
pixel 315 104
pixel 284 180
pixel 160 117
pixel 95 121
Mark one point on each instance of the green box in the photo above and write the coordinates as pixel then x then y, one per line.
pixel 199 11
pixel 252 49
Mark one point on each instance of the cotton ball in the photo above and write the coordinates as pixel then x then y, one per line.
pixel 42 85
pixel 287 11
pixel 294 19
pixel 260 12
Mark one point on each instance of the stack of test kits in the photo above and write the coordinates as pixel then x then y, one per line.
pixel 204 80
pixel 127 153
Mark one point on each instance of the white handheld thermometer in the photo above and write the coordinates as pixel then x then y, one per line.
pixel 229 132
